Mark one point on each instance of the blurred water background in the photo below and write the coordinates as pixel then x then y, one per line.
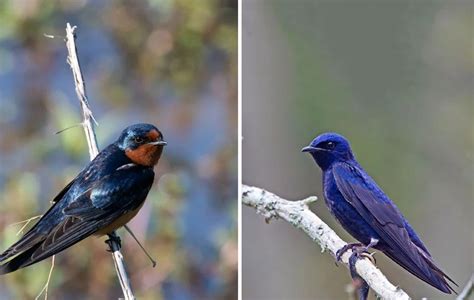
pixel 396 78
pixel 172 63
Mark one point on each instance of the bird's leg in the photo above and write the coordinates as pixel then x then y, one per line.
pixel 373 242
pixel 363 251
pixel 359 251
pixel 113 237
pixel 344 249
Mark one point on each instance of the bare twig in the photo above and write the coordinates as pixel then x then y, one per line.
pixel 153 262
pixel 69 127
pixel 88 124
pixel 46 286
pixel 27 221
pixel 467 290
pixel 298 214
pixel 73 62
pixel 20 231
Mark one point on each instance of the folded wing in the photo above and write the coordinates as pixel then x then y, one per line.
pixel 108 199
pixel 379 211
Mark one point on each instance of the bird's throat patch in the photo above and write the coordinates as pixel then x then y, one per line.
pixel 145 155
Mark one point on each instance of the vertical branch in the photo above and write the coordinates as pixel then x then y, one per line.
pixel 73 62
pixel 88 124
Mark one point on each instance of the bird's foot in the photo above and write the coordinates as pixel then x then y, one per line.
pixel 113 238
pixel 360 251
pixel 345 248
pixel 368 255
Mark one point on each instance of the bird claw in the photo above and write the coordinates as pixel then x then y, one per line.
pixel 113 238
pixel 363 252
pixel 370 256
pixel 360 251
pixel 345 248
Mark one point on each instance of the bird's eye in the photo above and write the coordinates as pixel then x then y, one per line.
pixel 138 140
pixel 330 145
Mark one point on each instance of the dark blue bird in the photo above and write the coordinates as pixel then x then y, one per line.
pixel 104 196
pixel 367 213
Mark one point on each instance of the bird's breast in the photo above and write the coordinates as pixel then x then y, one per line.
pixel 119 222
pixel 345 213
pixel 331 192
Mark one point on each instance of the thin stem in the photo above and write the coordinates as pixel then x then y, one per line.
pixel 153 262
pixel 46 286
pixel 27 221
pixel 88 125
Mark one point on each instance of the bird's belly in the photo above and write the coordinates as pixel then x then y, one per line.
pixel 119 222
pixel 355 225
pixel 349 218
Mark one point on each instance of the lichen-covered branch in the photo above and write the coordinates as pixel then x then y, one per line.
pixel 298 214
pixel 88 125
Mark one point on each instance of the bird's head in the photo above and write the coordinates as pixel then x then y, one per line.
pixel 142 143
pixel 329 148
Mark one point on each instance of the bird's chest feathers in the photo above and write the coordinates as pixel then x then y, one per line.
pixel 339 207
pixel 331 193
pixel 145 155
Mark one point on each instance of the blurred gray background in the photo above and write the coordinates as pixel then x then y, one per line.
pixel 393 77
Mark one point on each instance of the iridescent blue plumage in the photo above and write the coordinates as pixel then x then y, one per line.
pixel 367 213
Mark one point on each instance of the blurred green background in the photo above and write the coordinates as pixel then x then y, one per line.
pixel 396 78
pixel 172 63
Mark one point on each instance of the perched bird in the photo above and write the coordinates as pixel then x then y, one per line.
pixel 368 214
pixel 105 195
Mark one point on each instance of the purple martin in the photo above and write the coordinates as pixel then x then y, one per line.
pixel 368 214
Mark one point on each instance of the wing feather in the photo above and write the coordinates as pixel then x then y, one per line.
pixel 96 208
pixel 378 210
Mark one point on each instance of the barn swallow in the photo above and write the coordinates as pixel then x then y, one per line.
pixel 368 214
pixel 105 195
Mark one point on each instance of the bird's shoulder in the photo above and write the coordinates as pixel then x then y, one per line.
pixel 355 175
pixel 364 194
pixel 125 188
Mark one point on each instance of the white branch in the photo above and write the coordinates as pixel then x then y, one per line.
pixel 298 214
pixel 88 125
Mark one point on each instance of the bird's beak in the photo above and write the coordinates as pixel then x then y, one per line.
pixel 158 143
pixel 312 149
pixel 309 149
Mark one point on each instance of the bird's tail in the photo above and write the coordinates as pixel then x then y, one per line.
pixel 428 271
pixel 20 251
pixel 19 261
pixel 29 240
